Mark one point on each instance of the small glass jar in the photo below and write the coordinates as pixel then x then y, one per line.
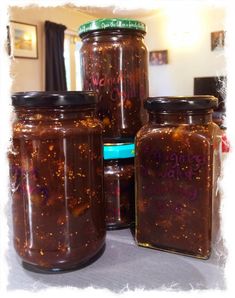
pixel 119 188
pixel 56 176
pixel 114 64
pixel 177 156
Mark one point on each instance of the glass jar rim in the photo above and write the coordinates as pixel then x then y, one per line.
pixel 111 23
pixel 54 99
pixel 181 103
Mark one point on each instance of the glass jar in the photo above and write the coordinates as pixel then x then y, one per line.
pixel 119 188
pixel 114 64
pixel 177 155
pixel 56 173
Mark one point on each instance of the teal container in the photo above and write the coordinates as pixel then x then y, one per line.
pixel 119 185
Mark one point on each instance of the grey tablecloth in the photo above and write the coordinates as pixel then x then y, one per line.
pixel 124 265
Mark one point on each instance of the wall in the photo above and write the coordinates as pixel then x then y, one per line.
pixel 29 74
pixel 185 33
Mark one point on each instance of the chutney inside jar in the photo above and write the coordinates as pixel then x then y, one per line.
pixel 56 173
pixel 114 64
pixel 175 166
pixel 119 188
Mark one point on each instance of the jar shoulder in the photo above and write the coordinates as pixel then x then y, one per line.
pixel 45 128
pixel 110 44
pixel 118 170
pixel 155 131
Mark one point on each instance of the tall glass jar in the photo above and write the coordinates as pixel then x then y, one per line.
pixel 114 64
pixel 177 160
pixel 56 173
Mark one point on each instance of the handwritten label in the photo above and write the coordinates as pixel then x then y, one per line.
pixel 27 186
pixel 176 177
pixel 176 165
pixel 117 86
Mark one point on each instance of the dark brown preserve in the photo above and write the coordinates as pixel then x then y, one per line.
pixel 119 187
pixel 114 64
pixel 176 161
pixel 56 172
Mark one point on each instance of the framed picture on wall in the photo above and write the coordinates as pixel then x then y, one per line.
pixel 23 40
pixel 217 40
pixel 158 57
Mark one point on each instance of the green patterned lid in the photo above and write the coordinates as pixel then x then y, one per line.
pixel 117 23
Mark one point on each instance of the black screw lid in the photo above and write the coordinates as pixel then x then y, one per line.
pixel 181 103
pixel 54 99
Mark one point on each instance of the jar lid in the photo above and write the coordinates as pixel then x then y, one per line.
pixel 54 99
pixel 181 103
pixel 119 150
pixel 113 23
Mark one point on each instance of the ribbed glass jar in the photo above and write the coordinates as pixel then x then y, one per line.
pixel 56 173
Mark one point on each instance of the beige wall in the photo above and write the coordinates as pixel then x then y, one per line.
pixel 185 33
pixel 29 74
pixel 186 61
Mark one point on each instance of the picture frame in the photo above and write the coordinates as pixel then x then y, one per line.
pixel 158 57
pixel 217 40
pixel 23 40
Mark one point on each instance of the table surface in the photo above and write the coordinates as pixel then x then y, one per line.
pixel 124 265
